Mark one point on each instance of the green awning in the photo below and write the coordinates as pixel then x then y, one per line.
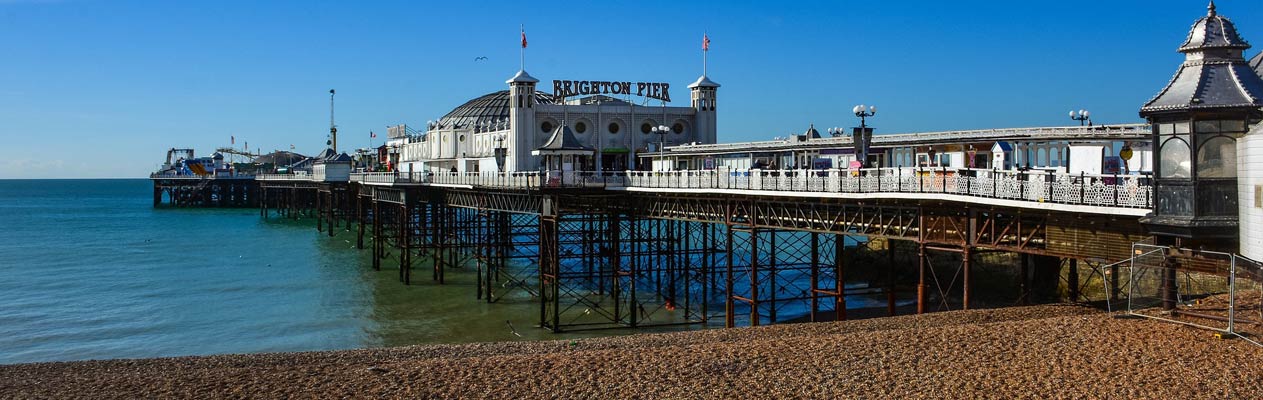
pixel 615 150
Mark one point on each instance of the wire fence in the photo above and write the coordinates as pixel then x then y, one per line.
pixel 1205 289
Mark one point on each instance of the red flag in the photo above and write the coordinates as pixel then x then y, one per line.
pixel 523 38
pixel 371 134
pixel 232 139
pixel 705 42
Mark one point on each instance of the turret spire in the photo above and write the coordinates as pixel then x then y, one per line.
pixel 1210 9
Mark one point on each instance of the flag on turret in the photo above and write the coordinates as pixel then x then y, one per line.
pixel 523 38
pixel 705 42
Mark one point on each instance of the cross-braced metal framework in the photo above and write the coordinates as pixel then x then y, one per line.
pixel 595 259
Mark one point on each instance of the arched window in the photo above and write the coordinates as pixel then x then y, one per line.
pixel 1217 158
pixel 1174 159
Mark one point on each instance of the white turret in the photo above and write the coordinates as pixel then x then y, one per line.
pixel 522 122
pixel 703 96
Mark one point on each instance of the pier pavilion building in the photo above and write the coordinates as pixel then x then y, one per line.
pixel 588 125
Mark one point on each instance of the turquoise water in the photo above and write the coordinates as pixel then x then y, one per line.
pixel 90 270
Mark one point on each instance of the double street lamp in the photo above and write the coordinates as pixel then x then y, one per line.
pixel 1083 116
pixel 662 140
pixel 863 136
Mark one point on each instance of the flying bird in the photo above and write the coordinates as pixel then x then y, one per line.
pixel 480 58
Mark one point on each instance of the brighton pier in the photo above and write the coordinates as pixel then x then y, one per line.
pixel 1163 213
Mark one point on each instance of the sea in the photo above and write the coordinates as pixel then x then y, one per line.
pixel 90 269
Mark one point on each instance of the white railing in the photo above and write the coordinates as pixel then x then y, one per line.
pixel 523 180
pixel 217 175
pixel 1126 191
pixel 284 177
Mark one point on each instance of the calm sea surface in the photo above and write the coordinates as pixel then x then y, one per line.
pixel 90 270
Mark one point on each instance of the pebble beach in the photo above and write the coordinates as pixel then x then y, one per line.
pixel 1047 351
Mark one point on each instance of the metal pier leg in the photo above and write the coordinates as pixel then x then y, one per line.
pixel 771 270
pixel 890 277
pixel 549 272
pixel 359 222
pixel 921 288
pixel 1072 280
pixel 754 277
pixel 1023 280
pixel 436 235
pixel 639 241
pixel 839 261
pixel 405 244
pixel 1170 291
pixel 377 236
pixel 729 307
pixel 331 211
pixel 815 277
pixel 967 265
pixel 708 265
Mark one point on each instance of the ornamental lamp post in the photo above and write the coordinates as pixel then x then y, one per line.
pixel 862 136
pixel 1083 116
pixel 662 140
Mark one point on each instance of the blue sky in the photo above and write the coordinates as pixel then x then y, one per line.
pixel 94 88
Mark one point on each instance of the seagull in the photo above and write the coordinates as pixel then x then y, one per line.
pixel 481 58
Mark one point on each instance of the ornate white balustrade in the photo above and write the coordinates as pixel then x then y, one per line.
pixel 521 180
pixel 1124 191
pixel 284 177
pixel 1127 191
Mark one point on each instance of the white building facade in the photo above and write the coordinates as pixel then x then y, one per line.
pixel 498 131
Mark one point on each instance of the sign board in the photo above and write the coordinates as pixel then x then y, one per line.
pixel 653 90
pixel 822 163
pixel 708 163
pixel 1125 153
pixel 1113 165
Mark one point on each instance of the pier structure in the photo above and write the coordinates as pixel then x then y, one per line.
pixel 645 248
pixel 789 229
pixel 204 191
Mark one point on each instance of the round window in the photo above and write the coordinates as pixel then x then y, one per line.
pixel 677 128
pixel 646 128
pixel 613 127
pixel 580 127
pixel 462 138
pixel 546 126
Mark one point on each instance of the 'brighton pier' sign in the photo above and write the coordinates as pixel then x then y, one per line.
pixel 653 90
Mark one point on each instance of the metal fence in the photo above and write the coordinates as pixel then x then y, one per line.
pixel 284 177
pixel 1126 191
pixel 217 175
pixel 520 180
pixel 1205 289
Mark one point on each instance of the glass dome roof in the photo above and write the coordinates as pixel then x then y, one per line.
pixel 488 109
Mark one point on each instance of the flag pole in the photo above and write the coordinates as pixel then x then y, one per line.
pixel 705 50
pixel 522 66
